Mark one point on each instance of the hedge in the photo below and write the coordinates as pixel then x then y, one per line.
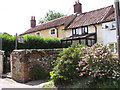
pixel 30 42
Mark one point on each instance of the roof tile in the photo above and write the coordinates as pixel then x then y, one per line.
pixel 91 17
pixel 50 24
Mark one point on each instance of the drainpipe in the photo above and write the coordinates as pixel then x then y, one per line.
pixel 117 18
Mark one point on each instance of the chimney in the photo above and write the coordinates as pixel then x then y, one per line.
pixel 77 7
pixel 33 21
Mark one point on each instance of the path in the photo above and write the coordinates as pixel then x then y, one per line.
pixel 9 83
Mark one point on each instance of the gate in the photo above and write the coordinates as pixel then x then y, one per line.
pixel 6 62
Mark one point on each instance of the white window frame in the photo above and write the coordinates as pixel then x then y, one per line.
pixel 51 31
pixel 37 33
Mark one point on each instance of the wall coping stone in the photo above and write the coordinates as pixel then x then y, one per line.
pixel 25 50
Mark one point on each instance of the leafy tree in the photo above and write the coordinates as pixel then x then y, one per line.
pixel 50 15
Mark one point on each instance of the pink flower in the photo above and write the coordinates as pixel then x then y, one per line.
pixel 97 71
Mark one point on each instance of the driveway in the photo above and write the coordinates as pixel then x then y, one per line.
pixel 9 83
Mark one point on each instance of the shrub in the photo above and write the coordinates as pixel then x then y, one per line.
pixel 30 42
pixel 65 69
pixel 38 42
pixel 97 62
pixel 8 42
pixel 37 73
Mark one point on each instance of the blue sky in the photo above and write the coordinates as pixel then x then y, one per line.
pixel 15 15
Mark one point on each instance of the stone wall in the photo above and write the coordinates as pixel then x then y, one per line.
pixel 1 61
pixel 23 60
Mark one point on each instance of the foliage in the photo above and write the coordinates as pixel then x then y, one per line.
pixel 49 85
pixel 37 73
pixel 30 42
pixel 76 62
pixel 104 83
pixel 98 63
pixel 65 69
pixel 50 15
pixel 38 42
pixel 7 42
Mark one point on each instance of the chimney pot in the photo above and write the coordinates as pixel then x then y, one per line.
pixel 31 17
pixel 77 7
pixel 34 17
pixel 33 21
pixel 75 2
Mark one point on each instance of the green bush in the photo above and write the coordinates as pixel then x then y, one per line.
pixel 38 73
pixel 38 42
pixel 8 42
pixel 65 69
pixel 30 42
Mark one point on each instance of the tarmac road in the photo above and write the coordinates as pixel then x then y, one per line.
pixel 9 83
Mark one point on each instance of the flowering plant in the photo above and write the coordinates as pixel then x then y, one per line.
pixel 97 62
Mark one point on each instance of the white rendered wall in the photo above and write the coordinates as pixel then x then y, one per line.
pixel 108 34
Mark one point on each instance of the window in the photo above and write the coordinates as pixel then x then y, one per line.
pixel 113 25
pixel 38 33
pixel 84 30
pixel 83 41
pixel 75 31
pixel 52 31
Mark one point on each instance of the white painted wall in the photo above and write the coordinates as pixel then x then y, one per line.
pixel 1 62
pixel 108 35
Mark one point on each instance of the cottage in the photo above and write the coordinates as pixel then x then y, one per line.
pixel 85 28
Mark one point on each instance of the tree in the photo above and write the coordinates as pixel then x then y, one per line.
pixel 50 15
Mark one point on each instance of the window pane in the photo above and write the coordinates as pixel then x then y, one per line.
pixel 68 43
pixel 75 41
pixel 77 31
pixel 53 31
pixel 93 42
pixel 73 31
pixel 113 25
pixel 89 42
pixel 85 29
pixel 38 33
pixel 82 30
pixel 83 41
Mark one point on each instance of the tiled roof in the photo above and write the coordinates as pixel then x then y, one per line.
pixel 73 21
pixel 52 23
pixel 110 17
pixel 92 17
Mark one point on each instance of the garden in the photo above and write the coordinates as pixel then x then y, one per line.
pixel 80 66
pixel 77 66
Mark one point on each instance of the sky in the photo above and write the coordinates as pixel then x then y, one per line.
pixel 15 15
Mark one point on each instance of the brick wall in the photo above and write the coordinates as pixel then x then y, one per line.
pixel 23 60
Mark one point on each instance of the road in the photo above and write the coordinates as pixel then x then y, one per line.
pixel 9 83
